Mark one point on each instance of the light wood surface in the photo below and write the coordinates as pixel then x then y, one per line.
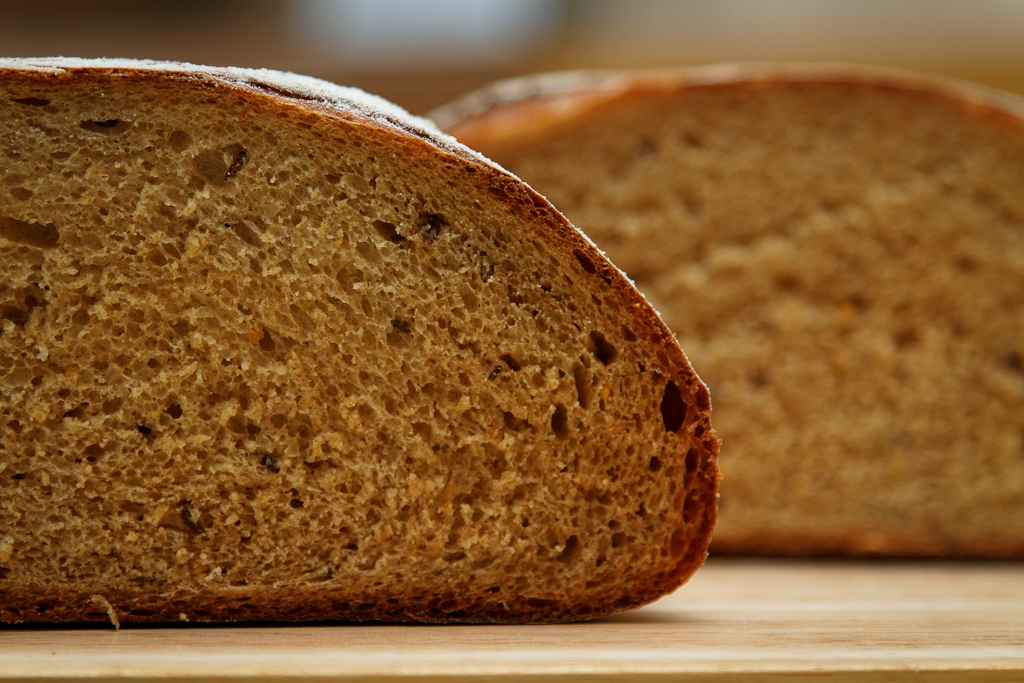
pixel 737 620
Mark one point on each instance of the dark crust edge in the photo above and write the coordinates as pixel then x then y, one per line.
pixel 553 226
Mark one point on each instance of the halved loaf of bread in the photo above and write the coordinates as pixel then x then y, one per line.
pixel 274 349
pixel 841 252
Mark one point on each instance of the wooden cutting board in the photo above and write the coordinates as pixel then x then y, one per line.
pixel 736 621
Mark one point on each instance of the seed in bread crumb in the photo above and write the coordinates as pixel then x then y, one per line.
pixel 236 165
pixel 431 227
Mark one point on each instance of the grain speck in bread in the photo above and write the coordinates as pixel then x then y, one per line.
pixel 841 252
pixel 273 349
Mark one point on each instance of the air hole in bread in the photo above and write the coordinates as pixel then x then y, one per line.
pixel 245 233
pixel 603 349
pixel 540 603
pixel 267 341
pixel 573 550
pixel 620 539
pixel 78 412
pixel 585 262
pixel 559 422
pixel 106 126
pixel 692 460
pixel 18 316
pixel 511 362
pixel 582 381
pixel 388 231
pixel 673 408
pixel 655 464
pixel 38 235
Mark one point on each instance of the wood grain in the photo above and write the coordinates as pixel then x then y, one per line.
pixel 737 620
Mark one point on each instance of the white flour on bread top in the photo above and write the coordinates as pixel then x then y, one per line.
pixel 283 83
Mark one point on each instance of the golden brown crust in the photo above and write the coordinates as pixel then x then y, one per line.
pixel 42 602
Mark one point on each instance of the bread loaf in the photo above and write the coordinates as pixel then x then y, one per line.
pixel 274 349
pixel 841 252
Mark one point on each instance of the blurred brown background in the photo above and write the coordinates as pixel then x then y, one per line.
pixel 422 53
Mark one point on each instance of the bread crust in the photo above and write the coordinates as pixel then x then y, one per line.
pixel 518 106
pixel 531 107
pixel 277 93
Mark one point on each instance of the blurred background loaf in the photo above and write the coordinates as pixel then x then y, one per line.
pixel 840 252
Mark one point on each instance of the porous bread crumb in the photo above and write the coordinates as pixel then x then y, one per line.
pixel 841 253
pixel 300 363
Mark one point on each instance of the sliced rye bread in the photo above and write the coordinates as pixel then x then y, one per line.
pixel 841 253
pixel 275 349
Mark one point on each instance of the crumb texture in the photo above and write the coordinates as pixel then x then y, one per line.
pixel 259 360
pixel 844 265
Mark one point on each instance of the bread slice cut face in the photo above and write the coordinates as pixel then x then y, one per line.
pixel 841 252
pixel 274 349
